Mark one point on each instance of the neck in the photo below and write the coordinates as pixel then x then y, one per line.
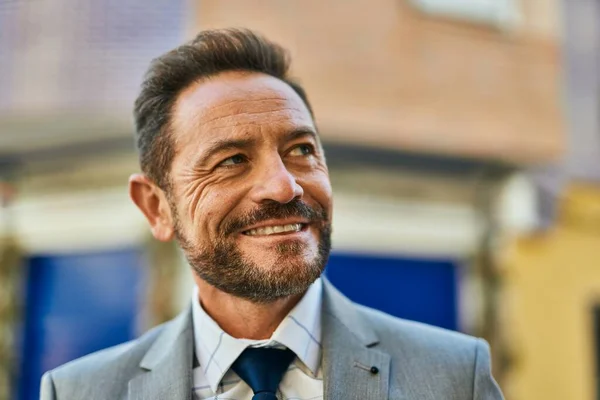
pixel 242 318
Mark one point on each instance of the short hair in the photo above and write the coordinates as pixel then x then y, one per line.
pixel 211 52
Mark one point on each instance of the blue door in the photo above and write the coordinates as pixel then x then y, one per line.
pixel 417 289
pixel 77 304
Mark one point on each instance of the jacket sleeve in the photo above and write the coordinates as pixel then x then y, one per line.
pixel 47 390
pixel 484 385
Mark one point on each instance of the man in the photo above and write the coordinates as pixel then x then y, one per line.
pixel 233 169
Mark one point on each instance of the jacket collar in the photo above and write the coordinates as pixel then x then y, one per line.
pixel 167 364
pixel 349 352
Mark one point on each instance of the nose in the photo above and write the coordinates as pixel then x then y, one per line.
pixel 276 183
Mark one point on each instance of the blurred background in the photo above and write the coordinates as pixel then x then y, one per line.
pixel 464 147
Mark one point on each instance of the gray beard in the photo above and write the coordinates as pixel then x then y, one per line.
pixel 225 268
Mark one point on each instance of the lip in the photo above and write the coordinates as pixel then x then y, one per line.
pixel 274 222
pixel 278 237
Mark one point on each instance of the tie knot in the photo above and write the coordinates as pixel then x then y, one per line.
pixel 262 369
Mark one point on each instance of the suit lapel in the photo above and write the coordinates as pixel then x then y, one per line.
pixel 349 352
pixel 168 364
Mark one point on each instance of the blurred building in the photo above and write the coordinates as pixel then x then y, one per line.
pixel 462 138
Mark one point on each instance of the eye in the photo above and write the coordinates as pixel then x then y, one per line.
pixel 233 160
pixel 302 150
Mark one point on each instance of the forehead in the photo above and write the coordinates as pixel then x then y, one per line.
pixel 237 102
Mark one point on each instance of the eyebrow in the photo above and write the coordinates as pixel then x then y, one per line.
pixel 224 145
pixel 240 144
pixel 301 132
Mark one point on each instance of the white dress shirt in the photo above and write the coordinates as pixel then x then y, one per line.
pixel 216 351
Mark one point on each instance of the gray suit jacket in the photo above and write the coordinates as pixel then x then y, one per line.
pixel 415 361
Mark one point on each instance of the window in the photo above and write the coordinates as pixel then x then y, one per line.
pixel 503 14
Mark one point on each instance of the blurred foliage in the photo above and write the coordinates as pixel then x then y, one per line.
pixel 11 282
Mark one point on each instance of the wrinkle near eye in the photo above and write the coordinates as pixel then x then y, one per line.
pixel 197 188
pixel 194 184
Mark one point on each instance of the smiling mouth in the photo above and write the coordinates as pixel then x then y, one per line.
pixel 275 230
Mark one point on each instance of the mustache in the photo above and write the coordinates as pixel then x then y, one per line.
pixel 275 210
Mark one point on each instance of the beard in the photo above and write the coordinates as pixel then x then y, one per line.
pixel 223 265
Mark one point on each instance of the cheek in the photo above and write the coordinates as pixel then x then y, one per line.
pixel 197 195
pixel 318 188
pixel 213 207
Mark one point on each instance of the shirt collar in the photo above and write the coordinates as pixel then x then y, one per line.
pixel 300 331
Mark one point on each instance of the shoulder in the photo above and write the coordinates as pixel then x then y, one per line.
pixel 110 366
pixel 431 362
pixel 418 342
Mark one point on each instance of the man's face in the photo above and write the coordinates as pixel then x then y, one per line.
pixel 250 196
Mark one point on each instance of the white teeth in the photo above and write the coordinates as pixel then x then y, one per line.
pixel 269 230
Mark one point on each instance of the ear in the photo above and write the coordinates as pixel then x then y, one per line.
pixel 152 202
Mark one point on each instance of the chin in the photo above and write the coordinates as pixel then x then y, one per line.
pixel 282 256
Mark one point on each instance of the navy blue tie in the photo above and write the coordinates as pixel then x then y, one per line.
pixel 262 369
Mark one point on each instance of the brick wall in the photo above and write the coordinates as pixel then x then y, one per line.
pixel 381 73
